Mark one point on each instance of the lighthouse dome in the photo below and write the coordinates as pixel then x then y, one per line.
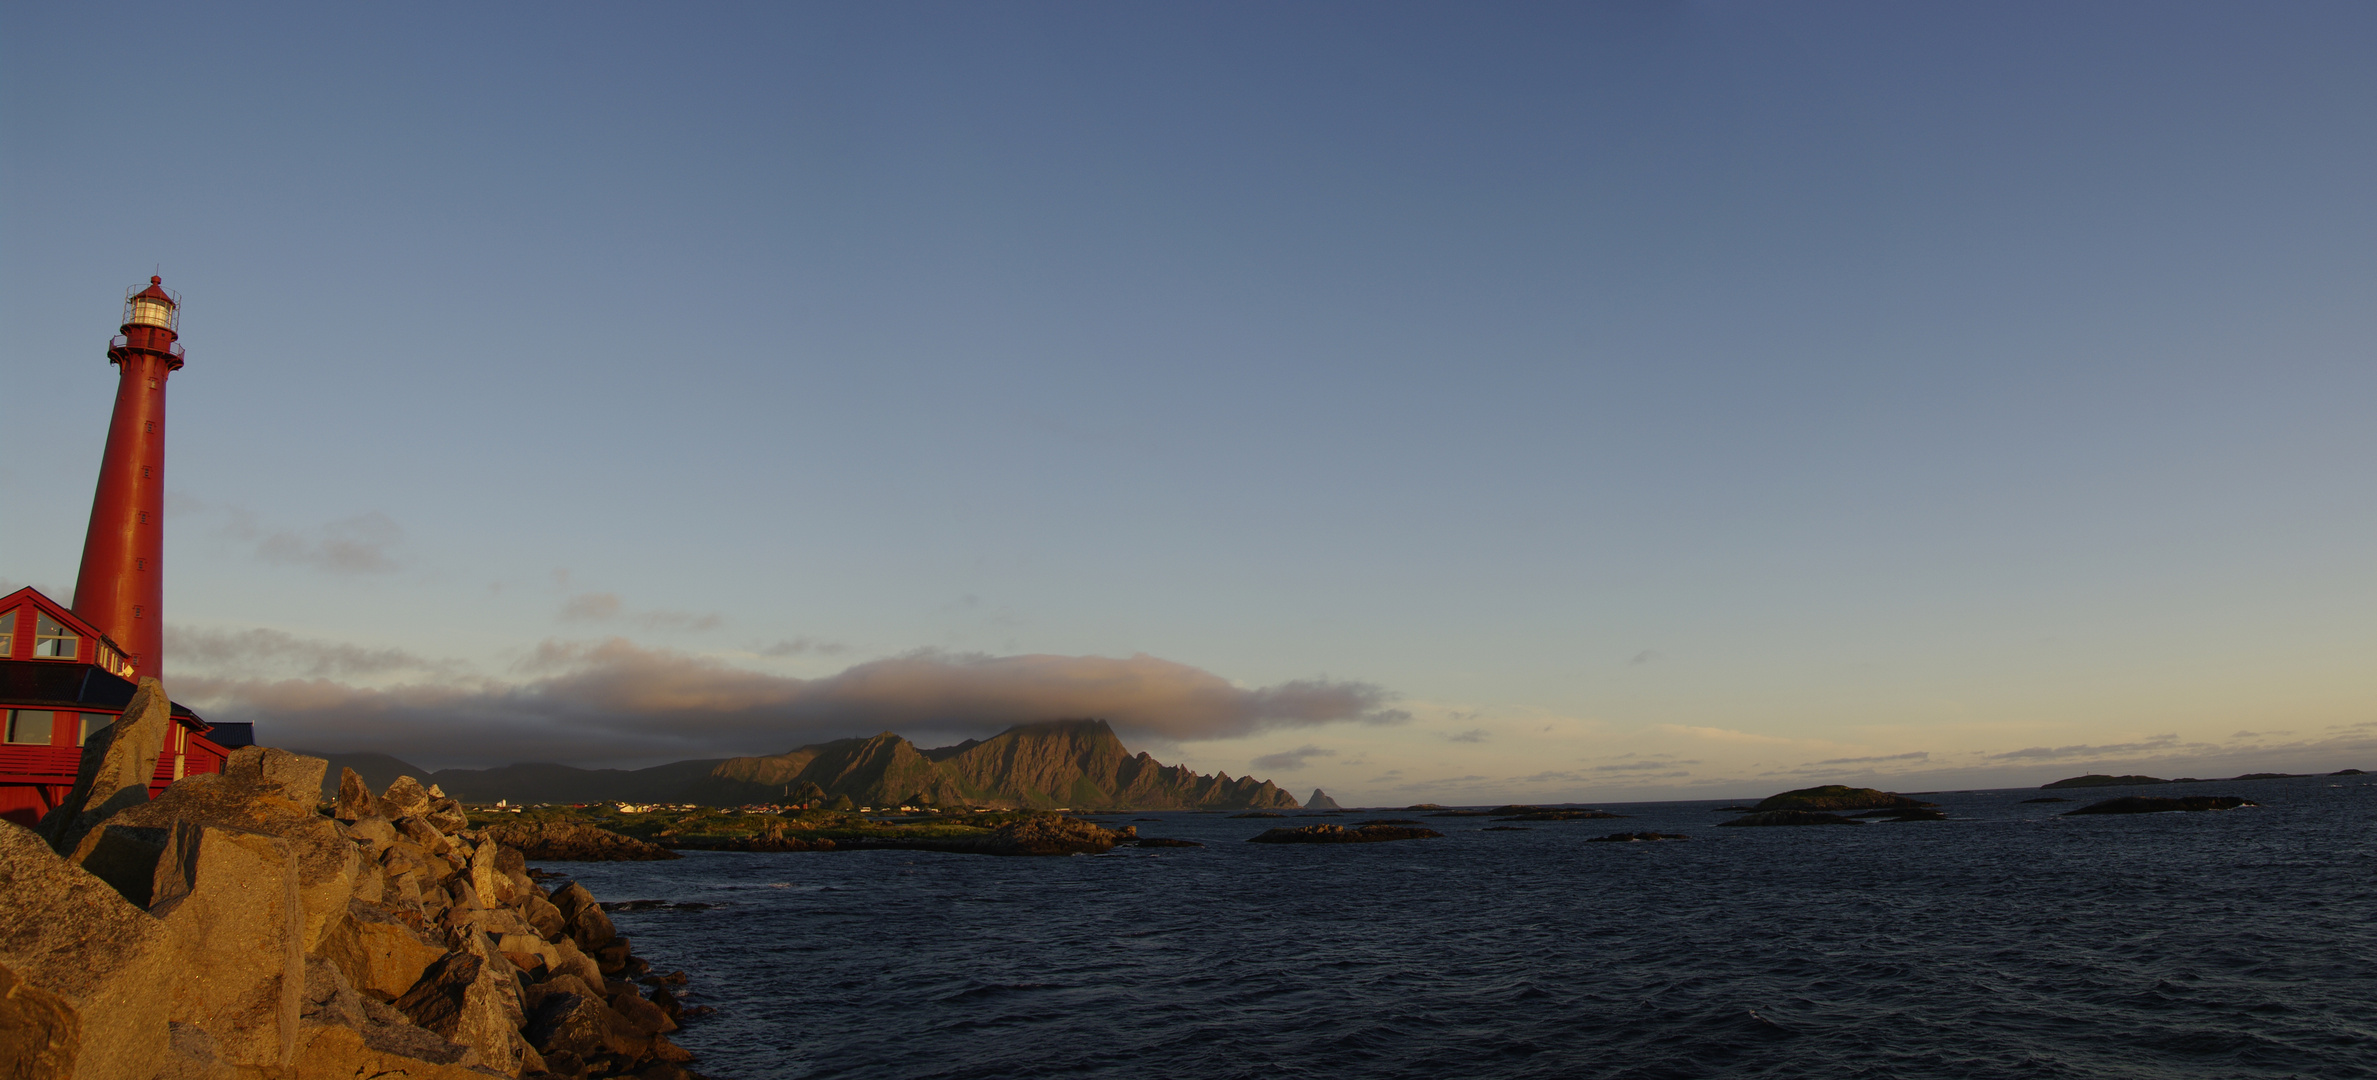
pixel 152 306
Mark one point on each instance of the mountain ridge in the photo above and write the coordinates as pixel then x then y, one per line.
pixel 1076 764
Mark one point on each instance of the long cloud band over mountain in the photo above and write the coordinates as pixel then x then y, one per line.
pixel 617 701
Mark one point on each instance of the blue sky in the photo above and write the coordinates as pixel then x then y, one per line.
pixel 1519 401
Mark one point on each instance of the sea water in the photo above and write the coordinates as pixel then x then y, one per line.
pixel 2008 941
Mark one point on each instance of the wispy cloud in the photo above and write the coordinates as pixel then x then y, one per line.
pixel 358 545
pixel 803 646
pixel 1291 760
pixel 595 607
pixel 1723 734
pixel 2157 744
pixel 1652 765
pixel 1911 755
pixel 258 651
pixel 1473 735
pixel 591 607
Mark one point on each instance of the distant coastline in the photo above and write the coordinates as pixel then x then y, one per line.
pixel 1056 764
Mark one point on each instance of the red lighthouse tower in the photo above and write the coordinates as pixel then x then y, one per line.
pixel 66 673
pixel 121 588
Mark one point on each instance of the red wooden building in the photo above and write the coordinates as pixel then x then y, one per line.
pixel 61 680
pixel 65 673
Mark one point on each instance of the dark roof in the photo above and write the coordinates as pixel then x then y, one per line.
pixel 58 684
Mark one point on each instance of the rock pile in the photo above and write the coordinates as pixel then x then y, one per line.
pixel 562 841
pixel 228 929
pixel 1040 834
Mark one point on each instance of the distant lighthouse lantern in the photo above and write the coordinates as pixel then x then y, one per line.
pixel 152 306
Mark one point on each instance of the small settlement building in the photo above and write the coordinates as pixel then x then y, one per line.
pixel 60 681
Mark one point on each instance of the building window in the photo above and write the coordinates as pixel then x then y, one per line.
pixel 8 633
pixel 53 640
pixel 93 724
pixel 30 727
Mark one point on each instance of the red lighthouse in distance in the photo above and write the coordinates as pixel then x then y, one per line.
pixel 121 588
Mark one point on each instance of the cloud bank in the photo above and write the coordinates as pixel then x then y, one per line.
pixel 615 701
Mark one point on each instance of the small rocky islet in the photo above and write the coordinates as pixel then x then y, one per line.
pixel 2147 804
pixel 1817 806
pixel 2134 780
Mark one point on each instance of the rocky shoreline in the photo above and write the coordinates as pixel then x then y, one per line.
pixel 230 929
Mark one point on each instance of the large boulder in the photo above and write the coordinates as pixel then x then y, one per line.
pixel 85 976
pixel 327 862
pixel 229 900
pixel 117 763
pixel 124 856
pixel 335 1052
pixel 471 996
pixel 294 777
pixel 380 954
pixel 404 798
pixel 354 799
pixel 191 1054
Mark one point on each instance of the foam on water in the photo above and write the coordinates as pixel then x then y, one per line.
pixel 2007 942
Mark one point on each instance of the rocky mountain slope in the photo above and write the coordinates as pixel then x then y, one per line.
pixel 1059 763
pixel 1069 763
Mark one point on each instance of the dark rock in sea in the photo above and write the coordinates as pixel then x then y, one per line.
pixel 2049 798
pixel 1339 834
pixel 1558 815
pixel 1506 828
pixel 1916 813
pixel 655 905
pixel 1159 841
pixel 1736 809
pixel 1634 837
pixel 1320 800
pixel 1257 813
pixel 1040 835
pixel 1462 813
pixel 2264 776
pixel 2148 804
pixel 561 841
pixel 1386 821
pixel 2102 780
pixel 1790 817
pixel 2348 772
pixel 1423 806
pixel 1839 797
